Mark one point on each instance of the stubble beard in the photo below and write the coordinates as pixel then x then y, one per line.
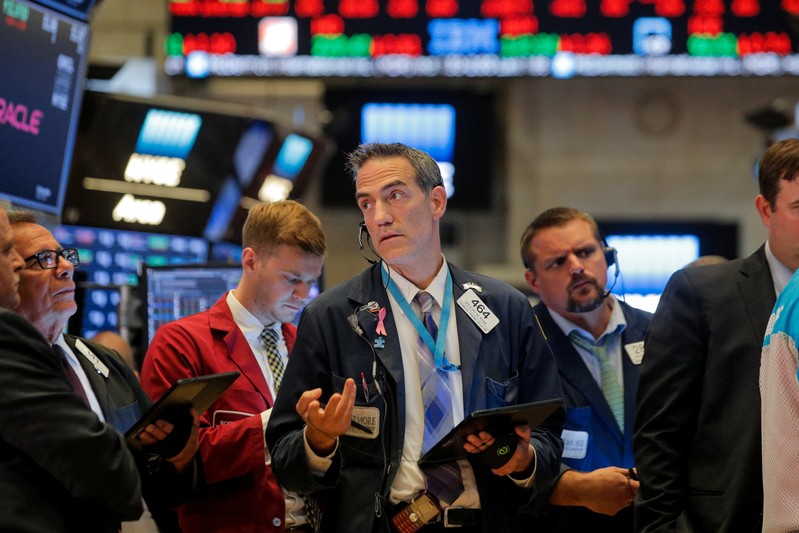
pixel 574 306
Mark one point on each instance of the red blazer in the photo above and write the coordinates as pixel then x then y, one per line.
pixel 243 494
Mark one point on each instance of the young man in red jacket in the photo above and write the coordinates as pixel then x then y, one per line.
pixel 248 330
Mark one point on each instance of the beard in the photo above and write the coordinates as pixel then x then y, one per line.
pixel 573 306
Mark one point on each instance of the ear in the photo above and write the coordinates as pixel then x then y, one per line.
pixel 532 280
pixel 438 201
pixel 248 260
pixel 764 209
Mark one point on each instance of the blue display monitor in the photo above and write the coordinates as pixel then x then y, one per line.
pixel 648 261
pixel 649 253
pixel 428 127
pixel 457 128
pixel 110 260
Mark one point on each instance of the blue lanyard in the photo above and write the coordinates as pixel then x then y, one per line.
pixel 437 346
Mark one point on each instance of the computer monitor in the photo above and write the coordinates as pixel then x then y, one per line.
pixel 171 292
pixel 174 291
pixel 650 252
pixel 457 128
pixel 110 261
pixel 43 67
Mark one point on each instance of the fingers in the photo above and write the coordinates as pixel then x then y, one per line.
pixel 158 431
pixel 303 404
pixel 477 443
pixel 524 432
pixel 633 485
pixel 325 423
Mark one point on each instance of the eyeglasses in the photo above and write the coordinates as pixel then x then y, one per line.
pixel 48 259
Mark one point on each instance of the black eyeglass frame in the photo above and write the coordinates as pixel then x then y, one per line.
pixel 70 254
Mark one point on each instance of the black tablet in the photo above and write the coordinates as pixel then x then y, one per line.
pixel 498 421
pixel 199 392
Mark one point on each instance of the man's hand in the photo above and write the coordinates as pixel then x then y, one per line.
pixel 606 490
pixel 154 433
pixel 521 459
pixel 325 423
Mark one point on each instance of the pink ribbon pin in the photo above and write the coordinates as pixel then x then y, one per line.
pixel 381 328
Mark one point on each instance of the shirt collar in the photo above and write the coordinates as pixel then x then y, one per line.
pixel 249 325
pixel 616 324
pixel 409 290
pixel 780 273
pixel 62 342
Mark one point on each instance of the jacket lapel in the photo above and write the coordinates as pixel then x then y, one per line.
pixel 633 333
pixel 757 289
pixel 371 290
pixel 470 337
pixel 572 370
pixel 236 347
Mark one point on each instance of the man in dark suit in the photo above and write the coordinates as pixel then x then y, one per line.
pixel 360 450
pixel 284 247
pixel 61 470
pixel 697 429
pixel 597 341
pixel 97 376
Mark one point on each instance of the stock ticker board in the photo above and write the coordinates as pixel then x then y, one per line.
pixel 482 38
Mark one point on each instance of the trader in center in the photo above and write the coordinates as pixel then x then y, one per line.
pixel 388 362
pixel 598 341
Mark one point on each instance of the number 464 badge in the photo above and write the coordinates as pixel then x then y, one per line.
pixel 478 311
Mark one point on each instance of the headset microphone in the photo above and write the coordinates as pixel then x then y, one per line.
pixel 353 320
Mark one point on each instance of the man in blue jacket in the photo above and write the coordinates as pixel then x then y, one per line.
pixel 598 343
pixel 358 447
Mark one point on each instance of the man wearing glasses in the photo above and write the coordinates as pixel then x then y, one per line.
pixel 98 375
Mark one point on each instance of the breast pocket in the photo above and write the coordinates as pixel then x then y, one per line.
pixel 127 416
pixel 361 442
pixel 502 393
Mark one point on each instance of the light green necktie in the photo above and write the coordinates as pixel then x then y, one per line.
pixel 611 388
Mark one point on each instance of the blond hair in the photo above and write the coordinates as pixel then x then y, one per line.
pixel 270 225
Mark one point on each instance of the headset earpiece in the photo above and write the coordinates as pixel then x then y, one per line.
pixel 610 255
pixel 362 230
pixel 612 259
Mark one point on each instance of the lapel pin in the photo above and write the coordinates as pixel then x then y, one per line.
pixel 470 285
pixel 380 342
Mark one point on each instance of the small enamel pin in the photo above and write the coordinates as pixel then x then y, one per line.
pixel 380 342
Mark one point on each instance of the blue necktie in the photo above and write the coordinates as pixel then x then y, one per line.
pixel 444 480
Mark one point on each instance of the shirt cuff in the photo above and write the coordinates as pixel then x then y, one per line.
pixel 528 482
pixel 316 464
